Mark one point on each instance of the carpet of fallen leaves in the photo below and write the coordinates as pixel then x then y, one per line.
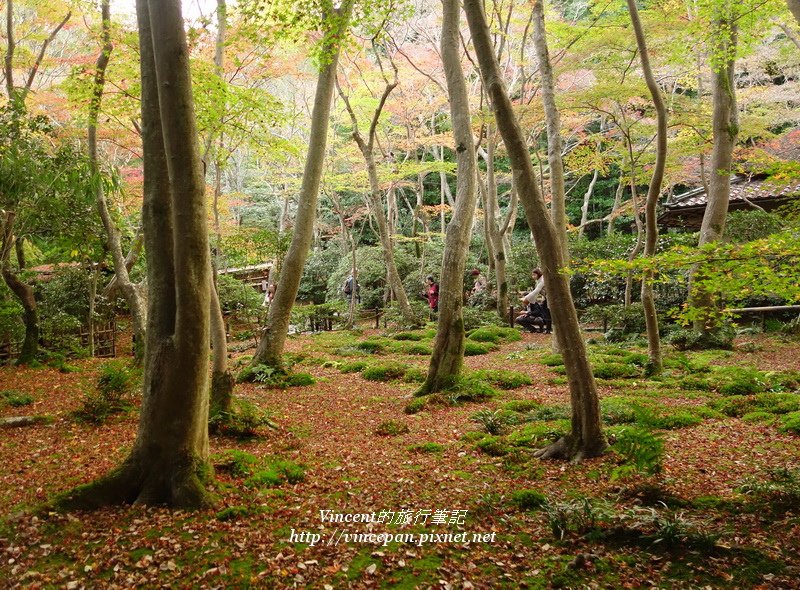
pixel 329 427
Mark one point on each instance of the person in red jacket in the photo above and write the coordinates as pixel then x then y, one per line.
pixel 432 294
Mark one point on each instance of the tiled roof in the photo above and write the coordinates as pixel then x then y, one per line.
pixel 741 190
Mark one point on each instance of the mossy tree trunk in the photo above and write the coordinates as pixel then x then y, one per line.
pixel 273 338
pixel 169 459
pixel 586 437
pixel 653 193
pixel 725 127
pixel 448 346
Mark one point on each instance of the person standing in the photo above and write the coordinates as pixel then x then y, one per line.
pixel 432 295
pixel 351 288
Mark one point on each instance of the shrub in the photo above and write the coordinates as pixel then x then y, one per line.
pixel 384 372
pixel 552 360
pixel 687 339
pixel 422 349
pixel 532 435
pixel 237 298
pixel 353 367
pixel 528 499
pixel 492 421
pixel 391 428
pixel 615 371
pixel 472 348
pixel 790 423
pixel 642 452
pixel 666 418
pixel 493 445
pixel 413 336
pixel 615 410
pixel 504 379
pixel 522 405
pixel 484 335
pixel 274 377
pixel 276 473
pixel 16 399
pixel 477 318
pixel 778 487
pixel 237 463
pixel 371 346
pixel 416 405
pixel 469 389
pixel 429 447
pixel 557 412
pixel 232 513
pixel 113 395
pixel 415 375
pixel 244 420
pixel 116 379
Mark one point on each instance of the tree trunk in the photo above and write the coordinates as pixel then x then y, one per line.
pixel 130 292
pixel 637 247
pixel 448 347
pixel 273 338
pixel 586 198
pixel 655 364
pixel 794 6
pixel 23 292
pixel 617 203
pixel 495 233
pixel 558 208
pixel 376 202
pixel 726 128
pixel 586 436
pixel 169 459
pixel 222 380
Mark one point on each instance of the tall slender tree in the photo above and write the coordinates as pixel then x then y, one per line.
pixel 273 338
pixel 448 347
pixel 653 193
pixel 367 148
pixel 169 459
pixel 586 437
pixel 725 128
pixel 130 291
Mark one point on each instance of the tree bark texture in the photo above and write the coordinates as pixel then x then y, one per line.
pixel 448 347
pixel 725 127
pixel 794 6
pixel 273 338
pixel 653 193
pixel 558 206
pixel 130 292
pixel 586 437
pixel 22 291
pixel 375 200
pixel 222 380
pixel 495 233
pixel 169 459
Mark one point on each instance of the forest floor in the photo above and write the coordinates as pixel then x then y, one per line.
pixel 722 512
